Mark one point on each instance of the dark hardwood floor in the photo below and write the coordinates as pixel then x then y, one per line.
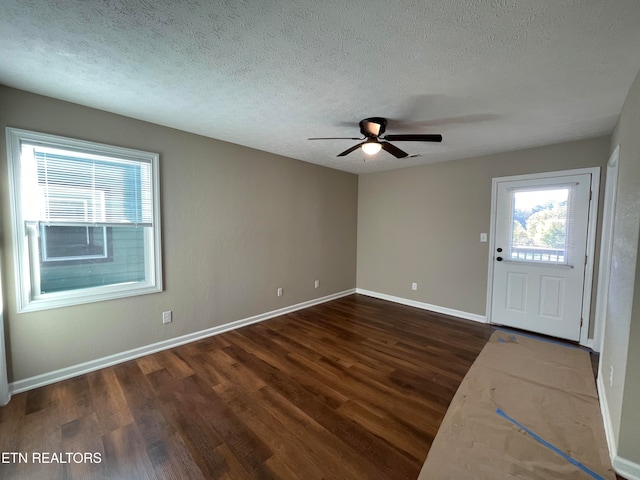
pixel 352 389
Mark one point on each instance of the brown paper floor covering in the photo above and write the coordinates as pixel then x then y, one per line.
pixel 527 409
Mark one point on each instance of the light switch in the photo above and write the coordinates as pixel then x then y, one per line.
pixel 483 237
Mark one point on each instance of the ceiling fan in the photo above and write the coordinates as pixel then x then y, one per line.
pixel 372 129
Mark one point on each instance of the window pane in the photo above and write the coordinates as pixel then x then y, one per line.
pixel 65 243
pixel 539 225
pixel 126 263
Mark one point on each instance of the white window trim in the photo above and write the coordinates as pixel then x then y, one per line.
pixel 26 300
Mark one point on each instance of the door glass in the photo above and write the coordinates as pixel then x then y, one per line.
pixel 539 225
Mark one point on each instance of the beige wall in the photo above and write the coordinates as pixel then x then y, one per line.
pixel 237 223
pixel 621 349
pixel 423 224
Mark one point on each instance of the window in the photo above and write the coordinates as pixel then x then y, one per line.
pixel 539 225
pixel 86 220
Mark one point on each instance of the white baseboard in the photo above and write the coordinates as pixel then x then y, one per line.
pixel 627 469
pixel 82 368
pixel 425 306
pixel 606 418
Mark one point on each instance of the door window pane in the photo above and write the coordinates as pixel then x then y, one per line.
pixel 539 225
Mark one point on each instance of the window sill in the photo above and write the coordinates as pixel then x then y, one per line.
pixel 89 295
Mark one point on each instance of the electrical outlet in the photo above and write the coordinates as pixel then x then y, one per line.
pixel 611 377
pixel 317 284
pixel 166 317
pixel 414 286
pixel 279 292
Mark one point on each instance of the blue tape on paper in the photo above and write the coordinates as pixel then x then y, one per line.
pixel 551 447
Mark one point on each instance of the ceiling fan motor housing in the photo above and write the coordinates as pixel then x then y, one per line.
pixel 373 127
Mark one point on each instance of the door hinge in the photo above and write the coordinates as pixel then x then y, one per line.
pixel 581 320
pixel 585 259
pixel 590 194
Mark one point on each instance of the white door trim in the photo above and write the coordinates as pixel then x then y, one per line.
pixel 591 238
pixel 4 383
pixel 606 247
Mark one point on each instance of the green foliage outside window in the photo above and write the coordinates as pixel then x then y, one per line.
pixel 542 226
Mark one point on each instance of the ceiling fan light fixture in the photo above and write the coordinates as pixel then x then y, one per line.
pixel 371 148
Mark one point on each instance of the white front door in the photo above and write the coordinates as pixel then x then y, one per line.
pixel 539 257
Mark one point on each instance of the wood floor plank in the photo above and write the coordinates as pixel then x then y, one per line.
pixel 293 453
pixel 305 430
pixel 108 400
pixel 345 431
pixel 228 370
pixel 353 388
pixel 125 454
pixel 407 442
pixel 282 362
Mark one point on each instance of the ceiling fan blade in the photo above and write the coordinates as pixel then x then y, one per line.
pixel 393 150
pixel 352 149
pixel 414 138
pixel 335 138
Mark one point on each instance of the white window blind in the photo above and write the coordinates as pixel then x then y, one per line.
pixel 59 186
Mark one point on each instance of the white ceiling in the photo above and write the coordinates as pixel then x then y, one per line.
pixel 489 75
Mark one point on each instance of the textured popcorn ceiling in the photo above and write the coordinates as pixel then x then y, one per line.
pixel 489 75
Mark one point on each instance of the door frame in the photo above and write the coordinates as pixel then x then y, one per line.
pixel 606 248
pixel 591 239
